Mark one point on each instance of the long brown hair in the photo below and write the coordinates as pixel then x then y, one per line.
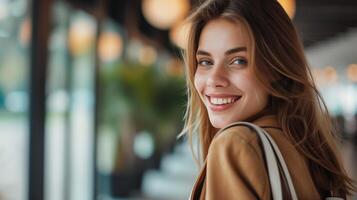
pixel 280 64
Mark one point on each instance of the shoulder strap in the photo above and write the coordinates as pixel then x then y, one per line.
pixel 273 158
pixel 283 165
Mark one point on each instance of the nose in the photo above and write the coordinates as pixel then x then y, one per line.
pixel 217 78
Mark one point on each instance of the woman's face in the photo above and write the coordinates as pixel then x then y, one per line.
pixel 224 80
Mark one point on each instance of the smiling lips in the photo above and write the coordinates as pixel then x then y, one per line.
pixel 221 102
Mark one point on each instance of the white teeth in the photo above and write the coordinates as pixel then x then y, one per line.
pixel 221 101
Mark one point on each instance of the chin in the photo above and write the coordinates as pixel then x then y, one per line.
pixel 219 123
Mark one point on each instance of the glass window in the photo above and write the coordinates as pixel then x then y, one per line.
pixel 15 31
pixel 70 105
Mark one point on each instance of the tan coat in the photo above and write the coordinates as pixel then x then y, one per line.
pixel 235 166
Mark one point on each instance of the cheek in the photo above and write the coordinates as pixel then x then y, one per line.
pixel 198 82
pixel 258 94
pixel 252 88
pixel 243 81
pixel 260 97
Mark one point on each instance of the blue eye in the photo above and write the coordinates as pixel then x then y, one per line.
pixel 204 62
pixel 240 61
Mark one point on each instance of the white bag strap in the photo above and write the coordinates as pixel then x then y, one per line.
pixel 283 165
pixel 272 162
pixel 285 168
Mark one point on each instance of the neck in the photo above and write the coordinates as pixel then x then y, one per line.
pixel 266 111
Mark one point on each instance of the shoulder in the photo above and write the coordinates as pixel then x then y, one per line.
pixel 235 135
pixel 235 139
pixel 235 154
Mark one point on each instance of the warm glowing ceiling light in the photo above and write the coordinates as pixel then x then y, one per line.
pixel 81 36
pixel 25 32
pixel 175 67
pixel 163 14
pixel 147 55
pixel 289 7
pixel 330 74
pixel 110 46
pixel 179 34
pixel 318 76
pixel 352 72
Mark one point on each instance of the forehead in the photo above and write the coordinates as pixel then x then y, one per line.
pixel 220 34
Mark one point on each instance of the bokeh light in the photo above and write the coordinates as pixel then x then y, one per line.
pixel 175 67
pixel 110 46
pixel 144 145
pixel 147 55
pixel 330 74
pixel 163 14
pixel 81 35
pixel 25 32
pixel 179 34
pixel 352 72
pixel 289 7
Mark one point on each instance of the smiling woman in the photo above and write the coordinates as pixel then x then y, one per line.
pixel 245 62
pixel 226 83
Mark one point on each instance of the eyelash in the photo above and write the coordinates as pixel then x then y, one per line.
pixel 201 61
pixel 241 59
pixel 234 60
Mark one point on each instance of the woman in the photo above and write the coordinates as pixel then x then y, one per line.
pixel 245 62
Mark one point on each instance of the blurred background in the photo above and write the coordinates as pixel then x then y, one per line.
pixel 92 94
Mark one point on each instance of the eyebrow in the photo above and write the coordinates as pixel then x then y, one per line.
pixel 230 51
